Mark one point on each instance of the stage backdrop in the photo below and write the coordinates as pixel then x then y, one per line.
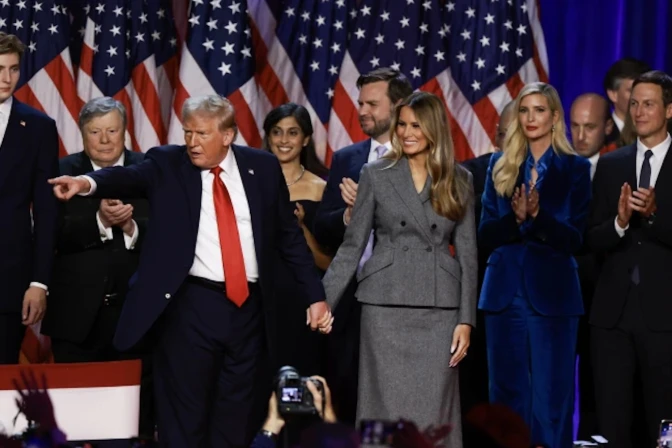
pixel 584 37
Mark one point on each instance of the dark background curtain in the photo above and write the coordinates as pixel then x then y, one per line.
pixel 584 37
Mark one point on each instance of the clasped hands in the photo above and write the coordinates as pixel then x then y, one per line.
pixel 525 202
pixel 642 200
pixel 319 317
pixel 113 212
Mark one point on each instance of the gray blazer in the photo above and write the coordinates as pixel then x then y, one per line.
pixel 411 264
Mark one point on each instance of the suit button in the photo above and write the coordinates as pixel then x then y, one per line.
pixel 639 243
pixel 167 296
pixel 403 223
pixel 405 248
pixel 429 249
pixel 433 226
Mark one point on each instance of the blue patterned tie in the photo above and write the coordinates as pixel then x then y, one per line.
pixel 644 182
pixel 368 250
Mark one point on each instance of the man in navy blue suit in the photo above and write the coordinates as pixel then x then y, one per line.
pixel 28 158
pixel 218 213
pixel 379 92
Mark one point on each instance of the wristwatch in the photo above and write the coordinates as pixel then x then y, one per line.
pixel 269 434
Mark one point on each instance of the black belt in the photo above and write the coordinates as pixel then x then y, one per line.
pixel 204 282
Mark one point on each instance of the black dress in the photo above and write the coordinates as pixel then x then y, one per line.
pixel 298 345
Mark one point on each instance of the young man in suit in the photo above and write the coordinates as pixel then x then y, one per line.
pixel 219 213
pixel 97 252
pixel 631 228
pixel 379 92
pixel 28 158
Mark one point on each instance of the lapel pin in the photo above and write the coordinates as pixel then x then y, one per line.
pixel 23 123
pixel 251 172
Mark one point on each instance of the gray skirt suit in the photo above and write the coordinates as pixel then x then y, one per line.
pixel 413 293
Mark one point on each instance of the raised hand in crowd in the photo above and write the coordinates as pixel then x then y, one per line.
pixel 624 208
pixel 643 200
pixel 66 187
pixel 324 408
pixel 519 203
pixel 113 212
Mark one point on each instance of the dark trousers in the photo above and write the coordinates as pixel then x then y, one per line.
pixel 205 365
pixel 11 337
pixel 620 354
pixel 531 359
pixel 97 347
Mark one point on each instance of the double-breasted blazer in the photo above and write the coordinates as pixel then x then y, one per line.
pixel 411 264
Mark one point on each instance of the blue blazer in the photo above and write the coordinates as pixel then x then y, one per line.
pixel 28 158
pixel 173 186
pixel 538 260
pixel 347 162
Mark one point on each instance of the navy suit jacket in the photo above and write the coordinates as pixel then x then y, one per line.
pixel 173 186
pixel 346 162
pixel 28 158
pixel 537 259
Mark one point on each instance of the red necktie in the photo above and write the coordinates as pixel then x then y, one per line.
pixel 229 242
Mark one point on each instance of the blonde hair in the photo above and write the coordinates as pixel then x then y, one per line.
pixel 505 171
pixel 450 190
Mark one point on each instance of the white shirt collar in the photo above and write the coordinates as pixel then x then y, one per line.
pixel 119 162
pixel 658 151
pixel 593 163
pixel 619 123
pixel 6 107
pixel 375 144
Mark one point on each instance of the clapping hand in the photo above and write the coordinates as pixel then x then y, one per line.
pixel 643 200
pixel 533 201
pixel 624 208
pixel 519 204
pixel 319 317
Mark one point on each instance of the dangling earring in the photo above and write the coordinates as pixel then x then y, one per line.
pixel 552 128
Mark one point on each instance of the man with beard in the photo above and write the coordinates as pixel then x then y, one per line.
pixel 379 92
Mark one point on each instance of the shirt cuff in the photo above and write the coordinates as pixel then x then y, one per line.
pixel 619 230
pixel 39 285
pixel 130 241
pixel 105 232
pixel 93 184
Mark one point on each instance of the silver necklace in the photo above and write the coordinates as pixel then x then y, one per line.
pixel 303 170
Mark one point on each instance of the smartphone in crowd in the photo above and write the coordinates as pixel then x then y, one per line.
pixel 378 432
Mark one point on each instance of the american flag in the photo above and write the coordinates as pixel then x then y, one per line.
pixel 217 58
pixel 129 52
pixel 474 54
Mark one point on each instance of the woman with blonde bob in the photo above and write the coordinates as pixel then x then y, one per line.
pixel 535 207
pixel 418 301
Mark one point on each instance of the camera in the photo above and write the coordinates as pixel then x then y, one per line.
pixel 294 398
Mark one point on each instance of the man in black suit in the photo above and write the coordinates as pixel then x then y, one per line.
pixel 618 85
pixel 631 228
pixel 97 252
pixel 379 92
pixel 28 157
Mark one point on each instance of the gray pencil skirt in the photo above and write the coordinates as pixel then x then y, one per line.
pixel 404 367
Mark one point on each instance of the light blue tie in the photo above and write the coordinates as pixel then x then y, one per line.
pixel 368 250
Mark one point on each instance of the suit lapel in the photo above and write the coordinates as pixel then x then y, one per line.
pixel 632 167
pixel 11 148
pixel 193 185
pixel 360 159
pixel 663 182
pixel 251 185
pixel 83 164
pixel 402 181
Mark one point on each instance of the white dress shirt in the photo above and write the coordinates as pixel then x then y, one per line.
pixel 593 163
pixel 5 110
pixel 656 162
pixel 208 260
pixel 617 121
pixel 106 232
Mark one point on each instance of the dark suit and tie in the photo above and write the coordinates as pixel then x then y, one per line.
pixel 212 335
pixel 631 330
pixel 28 209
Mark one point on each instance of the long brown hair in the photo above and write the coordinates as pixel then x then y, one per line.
pixel 450 191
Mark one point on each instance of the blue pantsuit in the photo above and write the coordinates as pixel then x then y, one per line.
pixel 531 295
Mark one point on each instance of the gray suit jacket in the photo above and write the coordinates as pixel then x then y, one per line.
pixel 411 264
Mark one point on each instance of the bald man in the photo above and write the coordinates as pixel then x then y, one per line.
pixel 591 123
